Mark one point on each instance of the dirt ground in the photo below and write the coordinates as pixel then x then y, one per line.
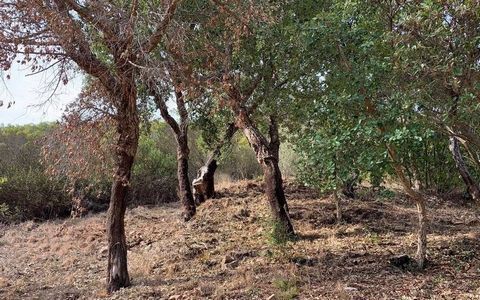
pixel 226 252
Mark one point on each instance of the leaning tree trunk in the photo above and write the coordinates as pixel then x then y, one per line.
pixel 419 200
pixel 184 188
pixel 128 132
pixel 415 195
pixel 275 193
pixel 204 183
pixel 472 187
pixel 267 154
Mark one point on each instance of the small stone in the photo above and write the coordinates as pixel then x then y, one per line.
pixel 229 262
pixel 103 251
pixel 4 282
pixel 228 259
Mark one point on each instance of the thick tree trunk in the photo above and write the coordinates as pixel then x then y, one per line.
pixel 210 179
pixel 184 188
pixel 267 154
pixel 127 143
pixel 472 187
pixel 204 183
pixel 275 194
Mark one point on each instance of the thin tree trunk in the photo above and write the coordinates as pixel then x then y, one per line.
pixel 421 235
pixel 417 182
pixel 419 200
pixel 128 132
pixel 338 207
pixel 472 187
pixel 268 155
pixel 181 135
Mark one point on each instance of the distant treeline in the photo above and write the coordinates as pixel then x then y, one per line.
pixel 27 191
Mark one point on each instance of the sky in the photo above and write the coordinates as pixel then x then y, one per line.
pixel 31 96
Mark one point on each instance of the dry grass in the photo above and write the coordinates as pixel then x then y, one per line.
pixel 224 253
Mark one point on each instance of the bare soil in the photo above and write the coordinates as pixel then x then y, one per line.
pixel 226 251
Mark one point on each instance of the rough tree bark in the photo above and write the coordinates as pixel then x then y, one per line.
pixel 472 187
pixel 180 130
pixel 128 133
pixel 204 183
pixel 267 154
pixel 184 189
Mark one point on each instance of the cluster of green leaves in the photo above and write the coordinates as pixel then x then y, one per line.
pixel 372 73
pixel 25 190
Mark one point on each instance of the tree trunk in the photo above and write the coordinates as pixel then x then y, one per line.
pixel 180 130
pixel 472 187
pixel 204 183
pixel 417 182
pixel 422 234
pixel 210 179
pixel 268 155
pixel 415 195
pixel 275 194
pixel 338 207
pixel 184 188
pixel 127 143
pixel 419 200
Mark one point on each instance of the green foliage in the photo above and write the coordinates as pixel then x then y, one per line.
pixel 287 289
pixel 277 234
pixel 26 192
pixel 368 78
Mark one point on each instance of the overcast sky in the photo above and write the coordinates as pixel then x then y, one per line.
pixel 30 94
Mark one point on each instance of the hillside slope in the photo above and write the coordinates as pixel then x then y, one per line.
pixel 226 252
